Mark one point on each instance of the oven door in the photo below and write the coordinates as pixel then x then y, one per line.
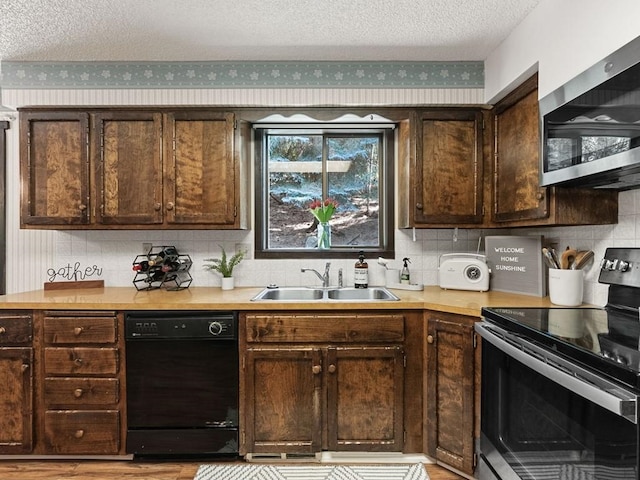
pixel 544 417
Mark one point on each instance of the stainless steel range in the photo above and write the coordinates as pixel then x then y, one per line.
pixel 561 386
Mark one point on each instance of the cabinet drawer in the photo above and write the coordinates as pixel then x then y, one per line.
pixel 81 361
pixel 279 328
pixel 16 329
pixel 80 329
pixel 86 432
pixel 81 391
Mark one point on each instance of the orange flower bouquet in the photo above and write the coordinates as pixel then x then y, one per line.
pixel 323 211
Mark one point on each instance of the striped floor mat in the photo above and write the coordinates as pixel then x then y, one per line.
pixel 311 472
pixel 575 472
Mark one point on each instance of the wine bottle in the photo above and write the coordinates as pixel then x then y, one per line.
pixel 142 266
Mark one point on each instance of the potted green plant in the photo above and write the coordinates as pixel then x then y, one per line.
pixel 225 266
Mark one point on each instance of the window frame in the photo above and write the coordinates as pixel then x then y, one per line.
pixel 386 192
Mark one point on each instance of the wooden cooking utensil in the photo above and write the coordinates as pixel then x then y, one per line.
pixel 567 258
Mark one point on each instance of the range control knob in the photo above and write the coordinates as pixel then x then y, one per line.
pixel 215 328
pixel 623 266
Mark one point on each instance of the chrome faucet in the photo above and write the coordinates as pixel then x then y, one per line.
pixel 324 278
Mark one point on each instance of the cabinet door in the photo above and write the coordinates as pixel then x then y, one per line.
pixel 365 398
pixel 448 180
pixel 517 191
pixel 283 400
pixel 16 400
pixel 127 149
pixel 54 162
pixel 450 394
pixel 200 168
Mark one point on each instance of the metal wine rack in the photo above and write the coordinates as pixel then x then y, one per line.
pixel 162 267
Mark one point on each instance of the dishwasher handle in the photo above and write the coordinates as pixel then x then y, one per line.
pixel 578 380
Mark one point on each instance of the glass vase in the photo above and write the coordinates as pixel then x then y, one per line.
pixel 324 236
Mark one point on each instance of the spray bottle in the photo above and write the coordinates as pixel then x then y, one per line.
pixel 404 274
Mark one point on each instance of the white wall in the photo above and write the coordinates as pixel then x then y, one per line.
pixel 560 39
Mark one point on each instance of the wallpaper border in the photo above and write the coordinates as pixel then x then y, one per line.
pixel 78 75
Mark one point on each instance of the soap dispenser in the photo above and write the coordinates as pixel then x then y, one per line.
pixel 361 272
pixel 404 274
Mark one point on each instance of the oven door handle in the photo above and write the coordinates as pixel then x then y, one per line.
pixel 578 380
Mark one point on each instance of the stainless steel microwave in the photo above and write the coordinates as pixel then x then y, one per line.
pixel 591 126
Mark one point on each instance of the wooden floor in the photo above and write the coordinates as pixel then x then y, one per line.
pixel 117 470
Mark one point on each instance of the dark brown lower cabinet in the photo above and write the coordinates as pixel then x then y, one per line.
pixel 305 397
pixel 452 387
pixel 284 400
pixel 17 380
pixel 305 400
pixel 365 398
pixel 82 396
pixel 16 400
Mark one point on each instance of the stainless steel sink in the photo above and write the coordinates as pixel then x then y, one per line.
pixel 290 293
pixel 305 294
pixel 372 293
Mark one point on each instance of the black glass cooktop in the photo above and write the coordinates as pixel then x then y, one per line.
pixel 603 339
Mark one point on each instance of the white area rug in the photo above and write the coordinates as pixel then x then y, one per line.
pixel 311 472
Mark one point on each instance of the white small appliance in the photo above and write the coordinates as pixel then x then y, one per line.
pixel 463 271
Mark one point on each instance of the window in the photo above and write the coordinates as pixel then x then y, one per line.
pixel 301 163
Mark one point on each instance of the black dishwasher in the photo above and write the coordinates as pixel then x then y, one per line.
pixel 182 383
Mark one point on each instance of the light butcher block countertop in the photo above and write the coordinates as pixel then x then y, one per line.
pixel 211 298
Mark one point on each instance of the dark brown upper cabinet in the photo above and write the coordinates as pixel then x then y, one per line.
pixel 54 157
pixel 518 198
pixel 446 181
pixel 130 169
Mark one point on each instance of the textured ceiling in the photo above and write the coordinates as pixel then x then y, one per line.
pixel 249 30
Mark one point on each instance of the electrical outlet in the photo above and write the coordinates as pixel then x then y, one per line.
pixel 146 247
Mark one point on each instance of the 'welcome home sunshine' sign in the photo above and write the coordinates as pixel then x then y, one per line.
pixel 516 264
